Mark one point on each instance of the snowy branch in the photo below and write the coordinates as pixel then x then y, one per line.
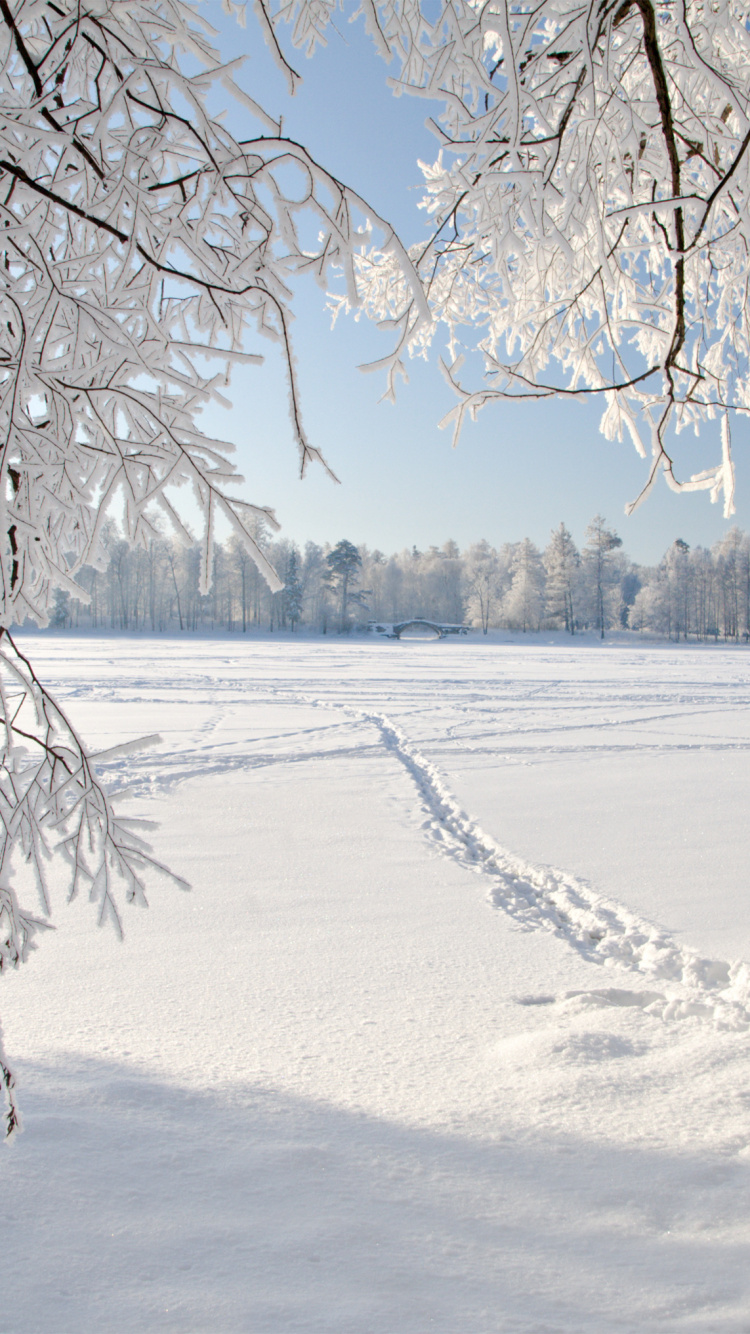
pixel 590 201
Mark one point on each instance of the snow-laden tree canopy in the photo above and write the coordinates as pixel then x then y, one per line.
pixel 141 245
pixel 589 204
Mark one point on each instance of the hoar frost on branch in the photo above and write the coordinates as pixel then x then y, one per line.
pixel 141 246
pixel 589 204
pixel 54 817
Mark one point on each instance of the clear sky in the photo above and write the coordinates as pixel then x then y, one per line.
pixel 519 470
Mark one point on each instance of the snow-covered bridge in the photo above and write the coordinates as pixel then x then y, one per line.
pixel 394 630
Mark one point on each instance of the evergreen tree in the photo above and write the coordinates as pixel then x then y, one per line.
pixel 60 615
pixel 292 594
pixel 344 563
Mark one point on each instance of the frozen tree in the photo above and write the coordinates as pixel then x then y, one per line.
pixel 702 583
pixel 243 568
pixel 601 574
pixel 562 563
pixel 666 603
pixel 373 571
pixel 484 581
pixel 589 205
pixel 630 585
pixel 677 571
pixel 732 556
pixel 648 611
pixel 524 602
pixel 317 594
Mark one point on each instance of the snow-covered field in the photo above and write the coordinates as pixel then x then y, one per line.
pixel 450 1035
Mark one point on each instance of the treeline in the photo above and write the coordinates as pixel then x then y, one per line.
pixel 699 593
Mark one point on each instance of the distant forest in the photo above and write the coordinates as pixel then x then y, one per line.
pixel 692 594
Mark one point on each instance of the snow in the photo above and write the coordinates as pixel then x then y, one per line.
pixel 451 1033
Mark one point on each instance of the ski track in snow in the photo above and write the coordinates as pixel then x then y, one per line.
pixel 536 897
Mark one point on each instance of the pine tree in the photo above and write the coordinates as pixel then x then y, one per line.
pixel 344 563
pixel 292 594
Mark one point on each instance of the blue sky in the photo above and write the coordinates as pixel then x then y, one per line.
pixel 519 470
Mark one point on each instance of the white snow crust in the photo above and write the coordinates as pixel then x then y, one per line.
pixel 451 1033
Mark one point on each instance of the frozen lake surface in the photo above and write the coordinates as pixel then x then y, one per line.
pixel 451 1033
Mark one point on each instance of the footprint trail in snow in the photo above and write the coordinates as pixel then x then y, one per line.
pixel 541 897
pixel 536 897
